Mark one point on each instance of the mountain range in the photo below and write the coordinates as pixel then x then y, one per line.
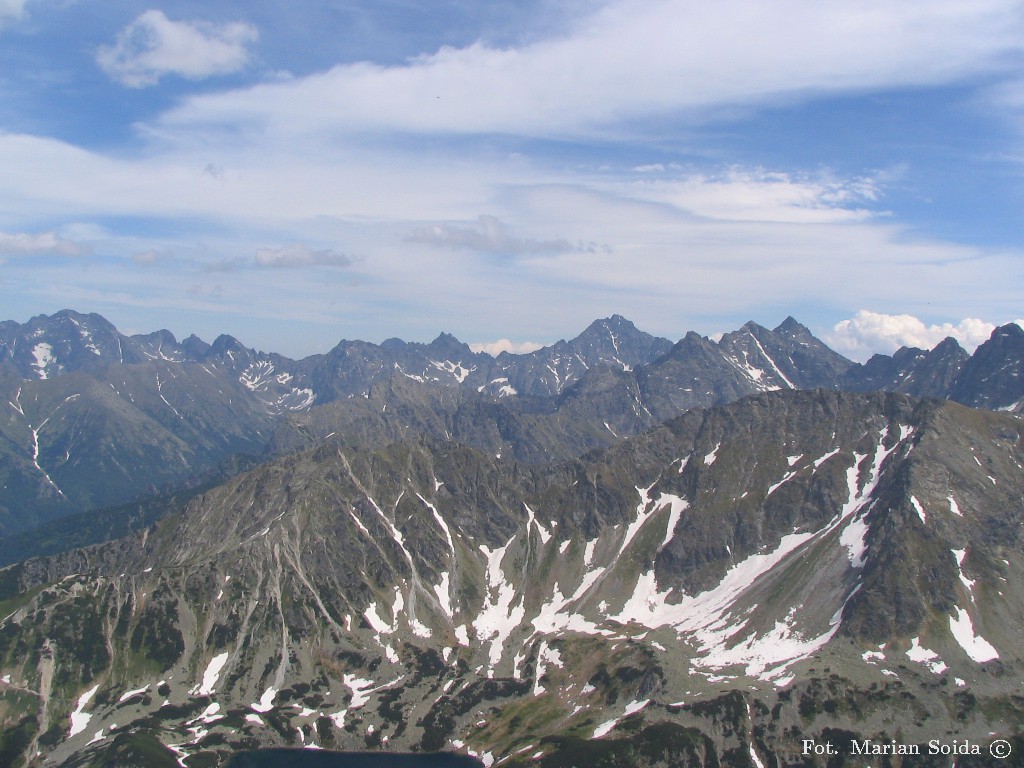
pixel 615 550
pixel 94 418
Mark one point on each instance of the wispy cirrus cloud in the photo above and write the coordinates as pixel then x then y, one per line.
pixel 637 105
pixel 488 235
pixel 630 61
pixel 297 255
pixel 760 194
pixel 153 46
pixel 293 256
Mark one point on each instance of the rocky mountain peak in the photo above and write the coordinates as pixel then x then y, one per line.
pixel 1009 331
pixel 448 347
pixel 609 382
pixel 993 377
pixel 618 342
pixel 614 323
pixel 226 345
pixel 67 341
pixel 195 347
pixel 159 345
pixel 950 347
pixel 793 329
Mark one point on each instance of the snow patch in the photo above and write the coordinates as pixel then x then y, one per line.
pixel 545 656
pixel 709 458
pixel 925 656
pixel 920 510
pixel 960 554
pixel 705 617
pixel 953 506
pixel 419 628
pixel 975 646
pixel 206 688
pixel 545 535
pixel 79 719
pixel 43 353
pixel 632 708
pixel 588 552
pixel 826 457
pixel 266 700
pixel 440 520
pixel 361 690
pixel 128 694
pixel 771 362
pixel 338 718
pixel 444 594
pixel 209 715
pixel 498 618
pixel 455 369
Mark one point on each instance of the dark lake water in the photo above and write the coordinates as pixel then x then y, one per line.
pixel 316 758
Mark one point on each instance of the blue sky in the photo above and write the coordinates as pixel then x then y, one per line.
pixel 294 174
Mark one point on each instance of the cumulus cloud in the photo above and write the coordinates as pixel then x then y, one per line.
pixel 153 46
pixel 41 242
pixel 495 348
pixel 869 332
pixel 489 235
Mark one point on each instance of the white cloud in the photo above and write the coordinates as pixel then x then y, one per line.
pixel 757 194
pixel 42 242
pixel 869 332
pixel 153 46
pixel 495 348
pixel 673 262
pixel 294 162
pixel 636 59
pixel 296 255
pixel 11 11
pixel 489 235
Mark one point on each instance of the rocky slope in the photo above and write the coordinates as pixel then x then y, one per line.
pixel 794 565
pixel 992 378
pixel 95 418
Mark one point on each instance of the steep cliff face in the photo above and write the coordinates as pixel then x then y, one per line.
pixel 994 376
pixel 910 371
pixel 722 585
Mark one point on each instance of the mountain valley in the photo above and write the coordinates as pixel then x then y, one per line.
pixel 613 551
